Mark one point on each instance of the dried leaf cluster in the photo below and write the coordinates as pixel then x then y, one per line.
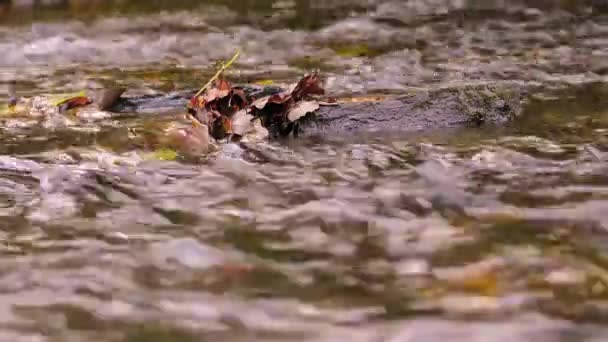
pixel 228 111
pixel 219 110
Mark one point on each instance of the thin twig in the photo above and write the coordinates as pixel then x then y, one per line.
pixel 218 73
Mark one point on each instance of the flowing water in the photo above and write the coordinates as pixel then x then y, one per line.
pixel 472 234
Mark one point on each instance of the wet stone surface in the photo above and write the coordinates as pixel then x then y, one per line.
pixel 491 233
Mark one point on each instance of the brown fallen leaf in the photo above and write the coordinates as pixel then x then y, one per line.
pixel 213 94
pixel 309 85
pixel 226 110
pixel 226 124
pixel 257 132
pixel 301 109
pixel 216 106
pixel 73 102
pixel 222 84
pixel 277 112
pixel 280 98
pixel 241 122
pixel 261 102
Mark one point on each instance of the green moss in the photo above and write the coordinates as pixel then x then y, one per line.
pixel 311 63
pixel 354 50
pixel 165 154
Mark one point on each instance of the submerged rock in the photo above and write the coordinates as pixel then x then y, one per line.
pixel 459 105
pixel 469 104
pixel 428 109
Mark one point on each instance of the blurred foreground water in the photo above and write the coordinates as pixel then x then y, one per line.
pixel 491 234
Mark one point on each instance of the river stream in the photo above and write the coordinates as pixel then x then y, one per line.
pixel 468 234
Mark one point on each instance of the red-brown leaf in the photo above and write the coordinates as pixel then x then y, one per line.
pixel 75 102
pixel 308 85
pixel 222 84
pixel 215 94
pixel 280 98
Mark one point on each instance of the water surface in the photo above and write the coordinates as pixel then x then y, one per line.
pixel 473 234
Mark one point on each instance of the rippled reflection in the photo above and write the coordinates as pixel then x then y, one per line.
pixel 486 234
pixel 308 241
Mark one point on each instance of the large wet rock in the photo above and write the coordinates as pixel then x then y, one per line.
pixel 428 109
pixel 424 109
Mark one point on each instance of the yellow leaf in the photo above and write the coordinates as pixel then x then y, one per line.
pixel 265 82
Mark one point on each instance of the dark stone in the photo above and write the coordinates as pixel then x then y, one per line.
pixel 439 108
pixel 427 109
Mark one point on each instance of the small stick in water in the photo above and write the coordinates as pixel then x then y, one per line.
pixel 219 72
pixel 12 95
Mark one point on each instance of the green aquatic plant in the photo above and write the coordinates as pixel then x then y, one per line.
pixel 166 154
